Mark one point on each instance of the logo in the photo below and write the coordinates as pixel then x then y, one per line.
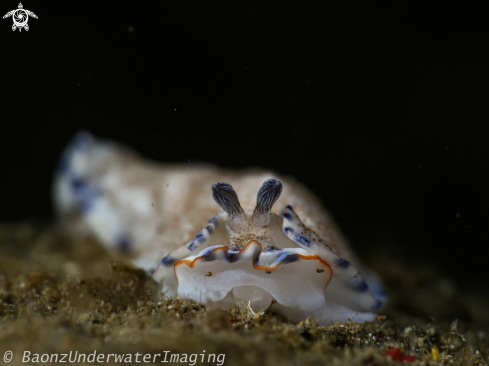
pixel 20 17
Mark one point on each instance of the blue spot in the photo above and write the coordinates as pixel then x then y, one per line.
pixel 213 221
pixel 288 216
pixel 360 286
pixel 199 238
pixel 192 246
pixel 342 263
pixel 288 230
pixel 301 239
pixel 84 193
pixel 124 245
pixel 168 261
pixel 78 185
pixel 209 229
pixel 290 208
pixel 290 259
pixel 232 255
pixel 378 304
pixel 207 251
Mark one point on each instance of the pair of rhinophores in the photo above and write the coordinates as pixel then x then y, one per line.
pixel 212 235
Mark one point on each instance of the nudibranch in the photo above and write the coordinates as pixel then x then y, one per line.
pixel 235 250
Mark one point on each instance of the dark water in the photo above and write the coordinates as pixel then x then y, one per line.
pixel 381 111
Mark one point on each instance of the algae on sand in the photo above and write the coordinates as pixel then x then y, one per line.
pixel 59 294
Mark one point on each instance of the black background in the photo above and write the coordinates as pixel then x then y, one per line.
pixel 381 109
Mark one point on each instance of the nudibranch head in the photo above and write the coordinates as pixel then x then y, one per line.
pixel 260 224
pixel 270 261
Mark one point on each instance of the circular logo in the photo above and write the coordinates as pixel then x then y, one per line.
pixel 20 17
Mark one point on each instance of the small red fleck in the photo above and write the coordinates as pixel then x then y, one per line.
pixel 397 355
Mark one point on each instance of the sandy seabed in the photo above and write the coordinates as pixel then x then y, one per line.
pixel 60 295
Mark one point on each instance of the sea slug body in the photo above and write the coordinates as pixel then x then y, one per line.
pixel 236 248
